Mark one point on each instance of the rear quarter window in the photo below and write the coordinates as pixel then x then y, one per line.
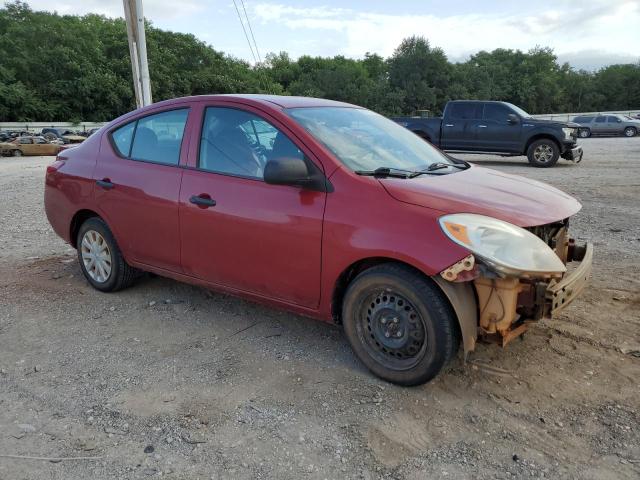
pixel 122 138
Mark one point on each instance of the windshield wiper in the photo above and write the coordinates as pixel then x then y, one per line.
pixel 441 165
pixel 387 172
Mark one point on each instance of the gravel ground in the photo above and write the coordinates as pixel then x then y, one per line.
pixel 165 379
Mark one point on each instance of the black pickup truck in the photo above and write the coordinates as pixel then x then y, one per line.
pixel 501 128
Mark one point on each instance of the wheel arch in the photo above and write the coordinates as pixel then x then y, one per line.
pixel 542 136
pixel 77 220
pixel 461 296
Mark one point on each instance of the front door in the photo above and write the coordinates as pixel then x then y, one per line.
pixel 238 231
pixel 494 133
pixel 138 184
pixel 599 125
pixel 614 125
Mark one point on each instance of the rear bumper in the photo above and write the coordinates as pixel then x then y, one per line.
pixel 562 293
pixel 573 153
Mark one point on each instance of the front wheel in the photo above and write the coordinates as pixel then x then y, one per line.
pixel 100 258
pixel 17 153
pixel 399 324
pixel 543 153
pixel 630 132
pixel 584 133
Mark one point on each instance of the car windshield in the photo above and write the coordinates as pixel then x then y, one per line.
pixel 519 111
pixel 366 141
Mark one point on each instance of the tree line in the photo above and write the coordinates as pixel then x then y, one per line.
pixel 77 68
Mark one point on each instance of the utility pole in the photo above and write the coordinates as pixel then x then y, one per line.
pixel 134 17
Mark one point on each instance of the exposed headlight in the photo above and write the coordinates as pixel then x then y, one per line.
pixel 568 132
pixel 502 246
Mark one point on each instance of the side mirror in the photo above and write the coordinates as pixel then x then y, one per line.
pixel 294 172
pixel 512 119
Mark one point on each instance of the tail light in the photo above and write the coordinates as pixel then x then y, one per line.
pixel 59 162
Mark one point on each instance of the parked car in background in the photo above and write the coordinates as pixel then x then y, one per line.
pixel 326 209
pixel 471 126
pixel 607 125
pixel 67 136
pixel 29 145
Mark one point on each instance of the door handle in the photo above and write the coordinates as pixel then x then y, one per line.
pixel 202 201
pixel 482 126
pixel 105 183
pixel 448 124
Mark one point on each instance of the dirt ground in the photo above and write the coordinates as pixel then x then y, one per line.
pixel 168 380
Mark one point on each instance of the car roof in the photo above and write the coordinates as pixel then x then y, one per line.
pixel 282 101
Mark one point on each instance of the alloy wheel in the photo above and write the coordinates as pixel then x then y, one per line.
pixel 543 153
pixel 96 256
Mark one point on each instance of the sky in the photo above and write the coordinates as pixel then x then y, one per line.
pixel 588 34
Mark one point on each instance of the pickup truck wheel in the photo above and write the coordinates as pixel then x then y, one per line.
pixel 584 133
pixel 16 153
pixel 399 324
pixel 100 258
pixel 630 132
pixel 543 153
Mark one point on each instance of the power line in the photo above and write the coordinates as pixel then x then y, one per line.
pixel 261 74
pixel 245 32
pixel 255 44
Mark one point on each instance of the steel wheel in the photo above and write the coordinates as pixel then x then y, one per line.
pixel 543 153
pixel 392 330
pixel 96 256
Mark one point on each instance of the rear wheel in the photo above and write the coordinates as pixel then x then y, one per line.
pixel 543 153
pixel 630 132
pixel 16 153
pixel 584 133
pixel 399 324
pixel 100 258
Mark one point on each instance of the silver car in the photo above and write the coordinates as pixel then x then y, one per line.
pixel 607 125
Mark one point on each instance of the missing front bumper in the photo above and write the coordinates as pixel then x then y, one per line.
pixel 507 306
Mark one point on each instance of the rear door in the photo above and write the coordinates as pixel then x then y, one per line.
pixel 26 145
pixel 459 125
pixel 138 176
pixel 239 232
pixel 494 133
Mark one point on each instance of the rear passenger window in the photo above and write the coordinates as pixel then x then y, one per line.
pixel 158 137
pixel 465 111
pixel 155 138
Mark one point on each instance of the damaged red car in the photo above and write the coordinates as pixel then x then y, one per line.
pixel 328 210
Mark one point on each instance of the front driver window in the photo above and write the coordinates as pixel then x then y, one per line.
pixel 239 143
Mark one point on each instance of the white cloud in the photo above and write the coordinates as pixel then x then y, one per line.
pixel 154 9
pixel 601 26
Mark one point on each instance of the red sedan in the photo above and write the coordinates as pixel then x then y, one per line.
pixel 326 209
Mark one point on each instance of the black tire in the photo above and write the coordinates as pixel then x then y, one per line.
pixel 122 274
pixel 392 300
pixel 543 153
pixel 630 132
pixel 584 133
pixel 16 153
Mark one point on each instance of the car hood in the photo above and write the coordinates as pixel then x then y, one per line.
pixel 511 198
pixel 551 123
